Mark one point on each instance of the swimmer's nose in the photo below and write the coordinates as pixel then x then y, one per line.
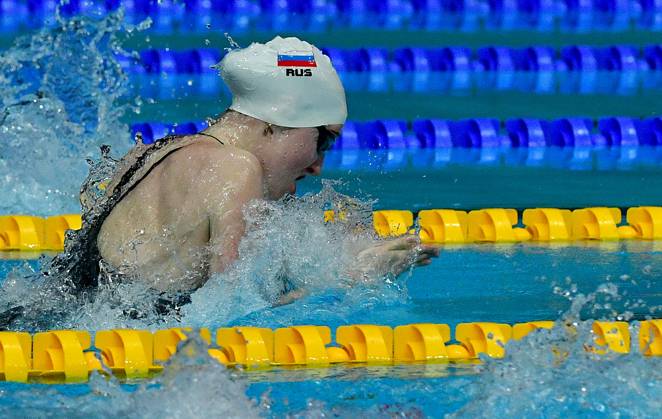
pixel 315 169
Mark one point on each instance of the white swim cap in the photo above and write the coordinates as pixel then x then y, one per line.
pixel 286 82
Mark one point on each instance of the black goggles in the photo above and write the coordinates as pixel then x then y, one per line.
pixel 325 139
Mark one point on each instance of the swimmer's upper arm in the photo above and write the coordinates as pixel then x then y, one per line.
pixel 241 183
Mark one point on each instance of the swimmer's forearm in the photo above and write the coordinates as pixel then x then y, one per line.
pixel 392 257
pixel 289 298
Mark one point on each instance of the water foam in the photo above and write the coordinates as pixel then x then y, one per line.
pixel 288 246
pixel 551 372
pixel 192 385
pixel 60 95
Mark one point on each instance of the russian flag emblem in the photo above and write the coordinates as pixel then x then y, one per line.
pixel 295 59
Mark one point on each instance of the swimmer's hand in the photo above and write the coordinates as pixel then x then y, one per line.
pixel 289 298
pixel 392 258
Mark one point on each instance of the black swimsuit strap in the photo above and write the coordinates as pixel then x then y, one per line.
pixel 209 135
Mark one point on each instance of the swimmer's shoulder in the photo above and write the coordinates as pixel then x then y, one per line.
pixel 209 156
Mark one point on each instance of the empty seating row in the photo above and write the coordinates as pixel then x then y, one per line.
pixel 171 16
pixel 70 356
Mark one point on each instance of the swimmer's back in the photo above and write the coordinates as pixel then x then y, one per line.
pixel 161 229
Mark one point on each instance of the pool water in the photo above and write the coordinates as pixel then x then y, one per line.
pixel 501 283
pixel 42 165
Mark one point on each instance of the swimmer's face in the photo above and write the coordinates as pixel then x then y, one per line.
pixel 292 154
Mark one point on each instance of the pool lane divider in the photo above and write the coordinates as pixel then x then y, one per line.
pixel 499 225
pixel 435 226
pixel 70 356
pixel 471 133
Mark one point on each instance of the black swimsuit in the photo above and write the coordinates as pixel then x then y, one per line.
pixel 81 259
pixel 76 270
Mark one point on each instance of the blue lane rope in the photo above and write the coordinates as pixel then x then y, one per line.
pixel 575 69
pixel 474 133
pixel 319 15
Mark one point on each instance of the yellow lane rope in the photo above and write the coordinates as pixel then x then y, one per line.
pixel 434 226
pixel 71 355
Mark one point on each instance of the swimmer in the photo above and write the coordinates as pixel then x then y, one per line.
pixel 172 213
